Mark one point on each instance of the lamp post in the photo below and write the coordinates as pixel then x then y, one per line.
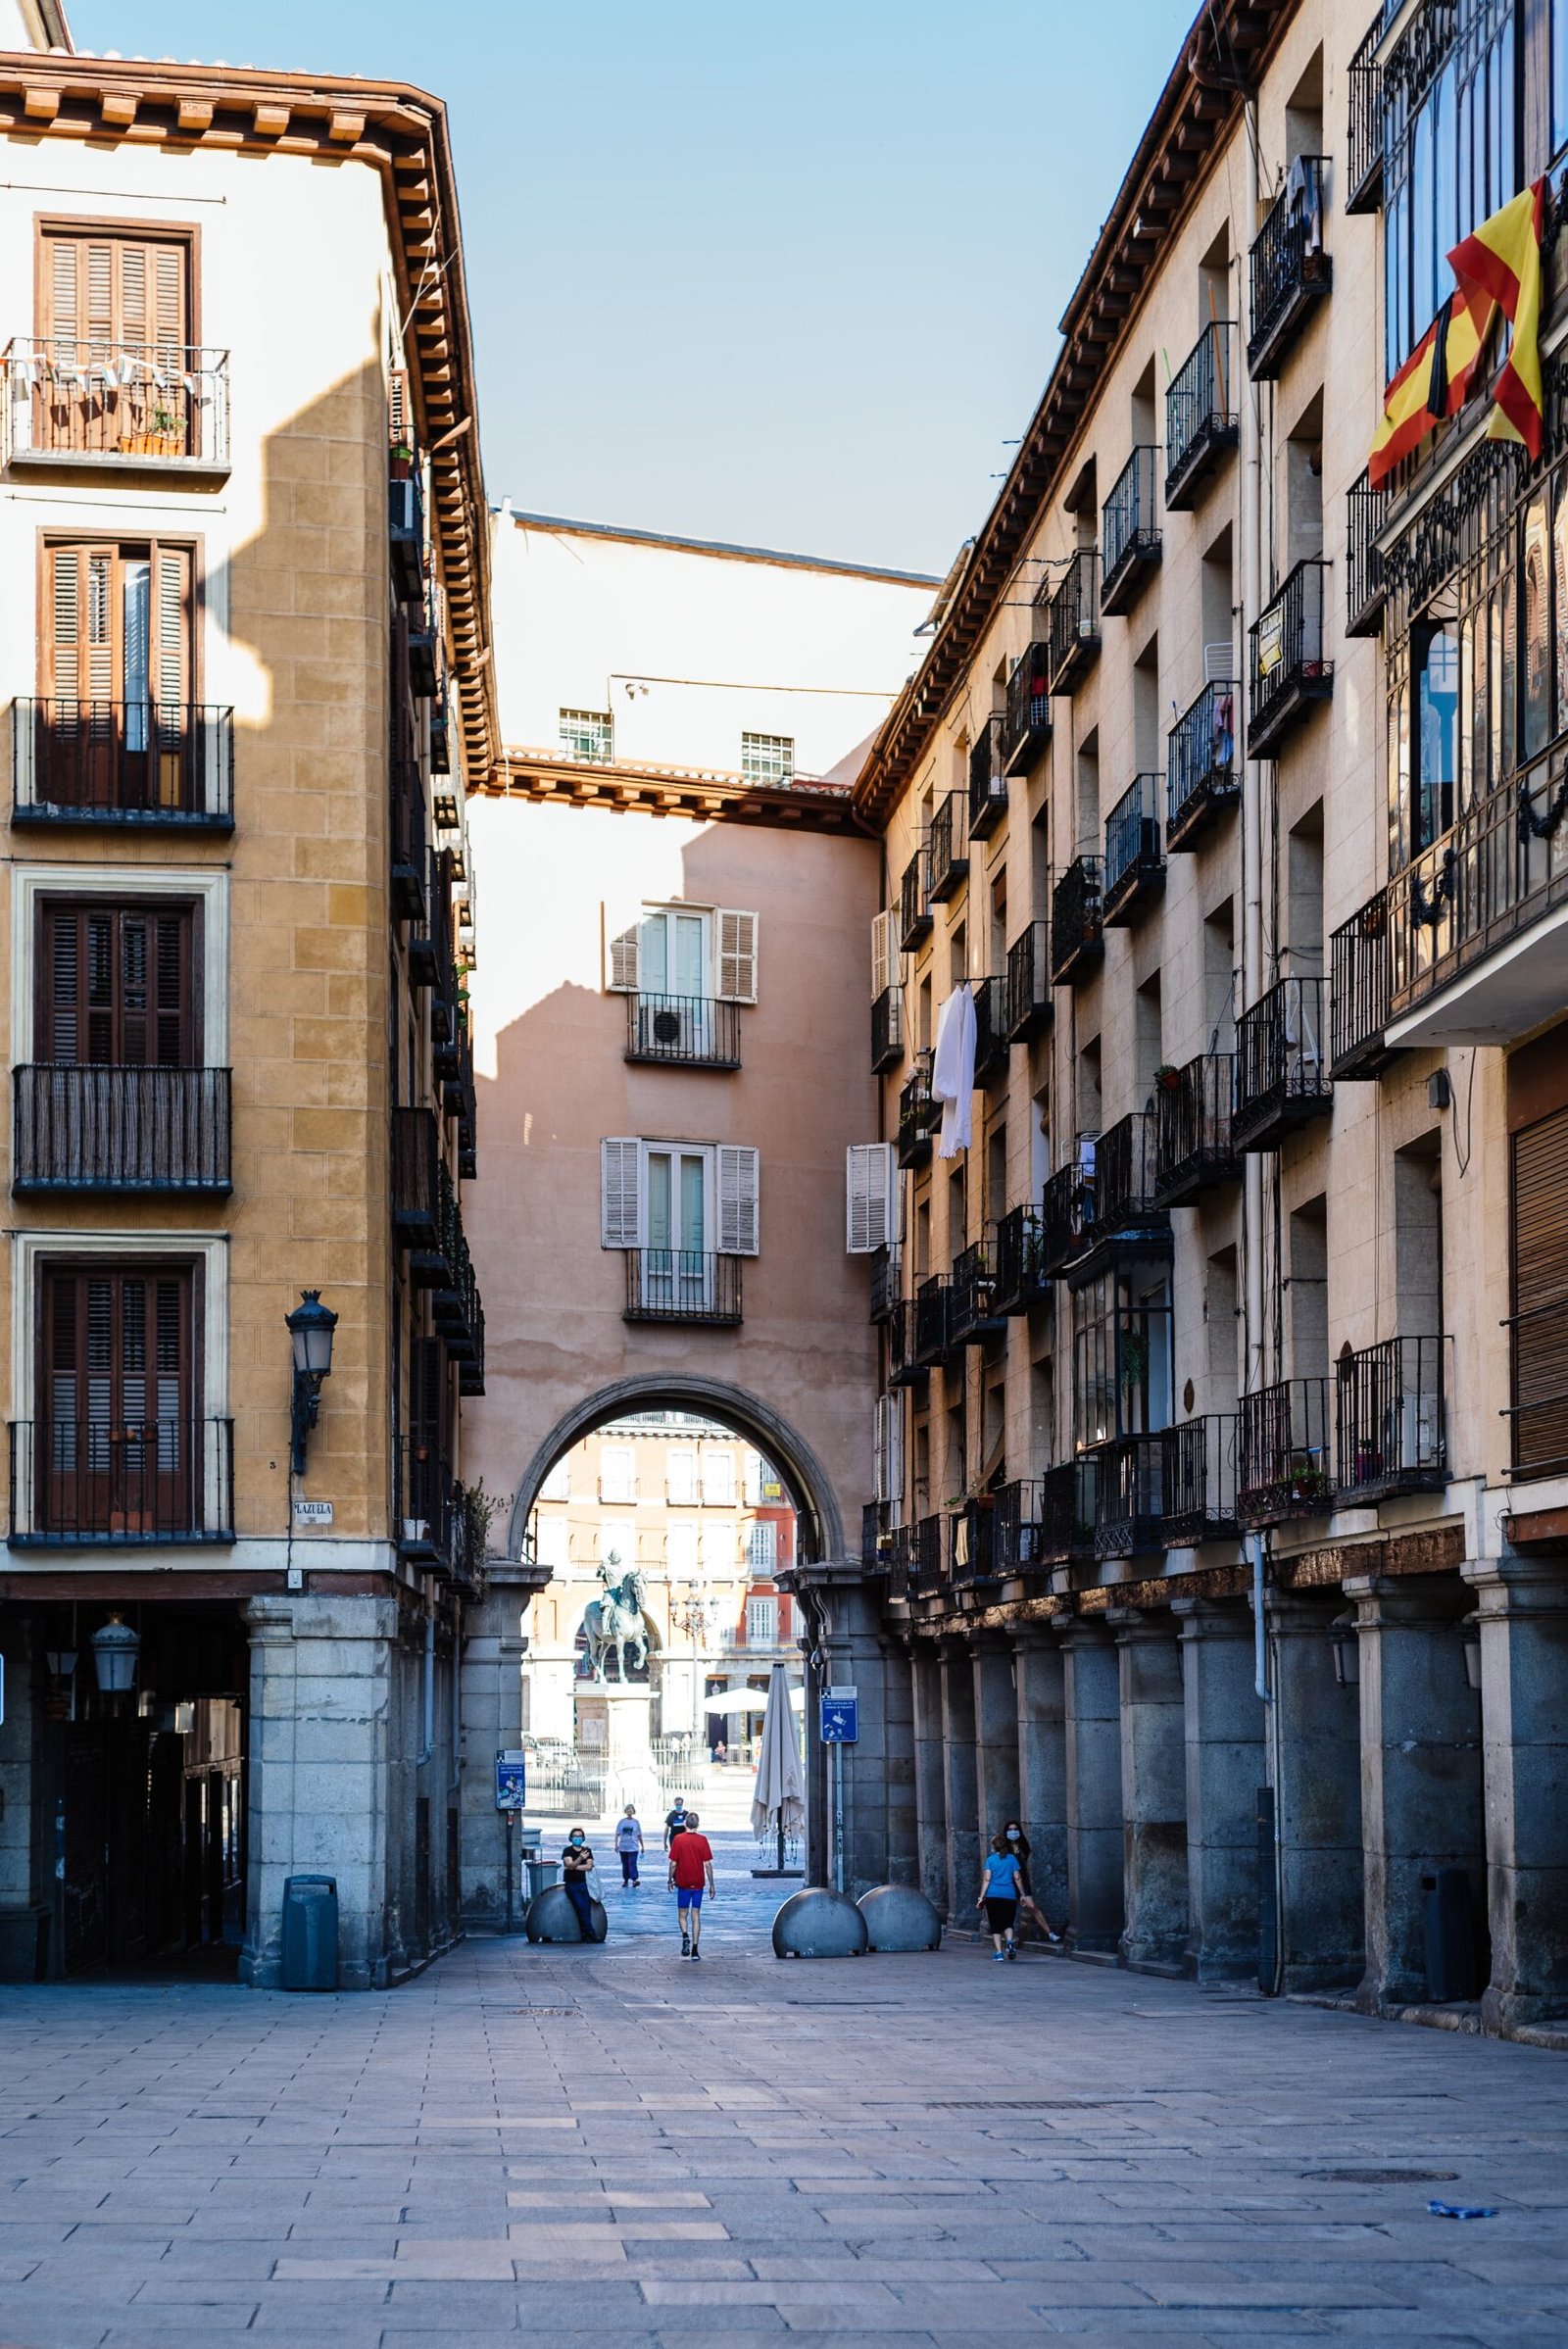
pixel 114 1649
pixel 309 1326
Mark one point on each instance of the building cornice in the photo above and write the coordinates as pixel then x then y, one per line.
pixel 1219 65
pixel 402 134
pixel 707 796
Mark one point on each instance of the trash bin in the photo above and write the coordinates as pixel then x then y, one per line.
pixel 541 1873
pixel 309 1932
pixel 1447 1926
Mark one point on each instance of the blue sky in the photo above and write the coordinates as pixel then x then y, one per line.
pixel 790 276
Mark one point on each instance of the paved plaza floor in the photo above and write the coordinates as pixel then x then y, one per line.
pixel 609 2146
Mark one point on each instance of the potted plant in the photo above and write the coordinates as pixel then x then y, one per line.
pixel 168 435
pixel 1167 1076
pixel 400 460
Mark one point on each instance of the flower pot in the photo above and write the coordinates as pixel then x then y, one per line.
pixel 415 1529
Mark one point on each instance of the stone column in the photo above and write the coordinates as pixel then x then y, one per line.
pixel 1523 1604
pixel 904 1844
pixel 22 1815
pixel 1093 1789
pixel 930 1776
pixel 1315 1771
pixel 1225 1767
pixel 1154 1793
pixel 995 1729
pixel 961 1787
pixel 490 1712
pixel 857 1656
pixel 1043 1765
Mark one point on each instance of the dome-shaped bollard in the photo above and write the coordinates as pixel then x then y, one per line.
pixel 818 1923
pixel 551 1917
pixel 899 1918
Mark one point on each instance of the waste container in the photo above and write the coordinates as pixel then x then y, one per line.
pixel 1448 1923
pixel 309 1932
pixel 540 1873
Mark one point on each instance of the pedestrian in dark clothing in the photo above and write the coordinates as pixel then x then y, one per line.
pixel 1017 1842
pixel 674 1820
pixel 576 1867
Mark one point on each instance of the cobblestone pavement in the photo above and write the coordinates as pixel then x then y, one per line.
pixel 610 2148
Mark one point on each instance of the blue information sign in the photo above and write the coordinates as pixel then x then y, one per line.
pixel 841 1720
pixel 511 1779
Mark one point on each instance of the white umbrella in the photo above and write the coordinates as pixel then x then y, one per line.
pixel 779 1798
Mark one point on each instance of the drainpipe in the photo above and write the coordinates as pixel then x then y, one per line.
pixel 428 1731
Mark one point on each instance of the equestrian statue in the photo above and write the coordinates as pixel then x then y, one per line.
pixel 616 1621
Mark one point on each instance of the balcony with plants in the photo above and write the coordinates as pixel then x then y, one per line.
pixel 1203 422
pixel 1129 536
pixel 1285 1457
pixel 1135 865
pixel 1072 620
pixel 1077 925
pixel 1391 1418
pixel 1029 997
pixel 1288 268
pixel 973 1315
pixel 100 406
pixel 1021 1279
pixel 1282 1069
pixel 1203 771
pixel 1026 720
pixel 988 780
pixel 1193 1148
pixel 128 765
pixel 1291 672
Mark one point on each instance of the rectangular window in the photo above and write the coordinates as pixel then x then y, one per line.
pixel 680 1471
pixel 680 1551
pixel 767 757
pixel 761 1623
pixel 118 1451
pixel 551 1544
pixel 718 1478
pixel 718 1548
pixel 682 1204
pixel 115 987
pixel 1450 134
pixel 761 1547
pixel 588 735
pixel 687 954
pixel 616 1479
pixel 617 1542
pixel 1538 1401
pixel 558 1483
pixel 115 373
pixel 116 630
pixel 1121 1355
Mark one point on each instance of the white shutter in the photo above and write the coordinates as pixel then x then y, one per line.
pixel 882 953
pixel 889 1448
pixel 619 1194
pixel 737 957
pixel 870 1197
pixel 737 1200
pixel 620 954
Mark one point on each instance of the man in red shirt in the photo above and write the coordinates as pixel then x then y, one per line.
pixel 691 1873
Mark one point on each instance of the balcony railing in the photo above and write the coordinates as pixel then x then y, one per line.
pixel 1015 1527
pixel 415 1193
pixel 988 781
pixel 1361 968
pixel 455 1308
pixel 925 1557
pixel 1135 866
pixel 886 1280
pixel 915 902
pixel 1029 1003
pixel 404 513
pixel 973 1315
pixel 98 1129
pixel 1022 1280
pixel 1364 144
pixel 431 1518
pixel 122 1484
pixel 1124 1184
pixel 971 1543
pixel 1130 542
pixel 677 1284
pixel 1067 1210
pixel 1282 1071
pixel 411 835
pixel 875 1537
pixel 899 1542
pixel 1202 415
pixel 991 1038
pixel 1201 1459
pixel 1391 1418
pixel 887 1030
pixel 1064 1527
pixel 1285 1465
pixel 919 1119
pixel 1073 622
pixel 1026 723
pixel 1289 270
pixel 1129 1496
pixel 683 1031
pixel 453 1065
pixel 123 763
pixel 1077 936
pixel 948 852
pixel 934 1341
pixel 1193 1150
pixel 903 1369
pixel 125 404
pixel 1289 667
pixel 1203 773
pixel 1365 588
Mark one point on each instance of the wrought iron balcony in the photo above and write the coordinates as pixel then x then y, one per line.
pixel 925 1557
pixel 455 1308
pixel 411 831
pixel 876 1541
pixel 677 1284
pixel 1130 541
pixel 1026 722
pixel 1289 667
pixel 405 506
pixel 973 1314
pixel 1129 1496
pixel 1015 1527
pixel 988 781
pixel 126 764
pixel 431 1517
pixel 1282 1071
pixel 1067 1211
pixel 1285 1465
pixel 1361 967
pixel 1203 773
pixel 430 943
pixel 1077 934
pixel 948 852
pixel 99 1129
pixel 1194 1151
pixel 1364 144
pixel 1391 1418
pixel 991 1038
pixel 1202 417
pixel 887 1030
pixel 1066 1506
pixel 901 1541
pixel 1289 269
pixel 886 1275
pixel 971 1544
pixel 458 1098
pixel 1200 1499
pixel 919 1119
pixel 683 1031
pixel 415 1191
pixel 904 1370
pixel 1125 1210
pixel 1029 1003
pixel 934 1342
pixel 121 1483
pixel 915 902
pixel 1135 866
pixel 120 406
pixel 1073 622
pixel 1365 588
pixel 1021 1278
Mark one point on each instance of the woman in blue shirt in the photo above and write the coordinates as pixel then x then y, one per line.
pixel 999 1886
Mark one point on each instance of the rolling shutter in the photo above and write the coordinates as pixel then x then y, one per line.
pixel 737 957
pixel 620 1194
pixel 737 1170
pixel 870 1197
pixel 1539 1331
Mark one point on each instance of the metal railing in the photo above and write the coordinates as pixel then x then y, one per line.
pixel 455 1308
pixel 161 401
pixel 415 1197
pixel 430 943
pixel 875 1541
pixel 1129 1496
pixel 1365 587
pixel 677 1284
pixel 1192 1144
pixel 925 1557
pixel 1361 971
pixel 1077 939
pixel 1289 667
pixel 1067 1209
pixel 1129 530
pixel 903 1369
pixel 1124 1176
pixel 988 780
pixel 1072 621
pixel 1203 772
pixel 1029 982
pixel 411 837
pixel 898 1562
pixel 990 1032
pixel 1022 1280
pixel 934 1341
pixel 1135 865
pixel 1282 1071
pixel 1364 140
pixel 947 847
pixel 1066 1511
pixel 887 1030
pixel 1285 1463
pixel 132 762
pixel 121 1128
pixel 1015 1526
pixel 886 1282
pixel 429 1517
pixel 1201 413
pixel 405 516
pixel 1287 267
pixel 683 1031
pixel 915 902
pixel 971 1543
pixel 1391 1418
pixel 1200 1461
pixel 1026 721
pixel 165 1479
pixel 918 1118
pixel 972 1314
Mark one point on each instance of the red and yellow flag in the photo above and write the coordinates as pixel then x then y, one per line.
pixel 1502 264
pixel 1433 382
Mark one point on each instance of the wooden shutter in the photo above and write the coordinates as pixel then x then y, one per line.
pixel 889 1447
pixel 115 987
pixel 738 1184
pixel 870 1197
pixel 883 951
pixel 168 664
pixel 116 1397
pixel 620 955
pixel 737 957
pixel 1539 1397
pixel 620 1193
pixel 102 289
pixel 84 650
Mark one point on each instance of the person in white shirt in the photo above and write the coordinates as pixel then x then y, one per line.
pixel 629 1844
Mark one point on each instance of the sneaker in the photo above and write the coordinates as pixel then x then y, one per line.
pixel 1011 1950
pixel 696 1957
pixel 685 1946
pixel 999 1957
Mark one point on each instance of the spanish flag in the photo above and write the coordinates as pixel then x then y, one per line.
pixel 1434 381
pixel 1502 264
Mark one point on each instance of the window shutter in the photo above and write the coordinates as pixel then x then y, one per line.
pixel 737 1200
pixel 620 957
pixel 881 955
pixel 872 1197
pixel 168 667
pixel 889 1439
pixel 737 957
pixel 620 1200
pixel 1540 1293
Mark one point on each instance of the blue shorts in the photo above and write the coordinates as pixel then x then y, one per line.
pixel 688 1900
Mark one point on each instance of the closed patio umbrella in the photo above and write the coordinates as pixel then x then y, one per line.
pixel 779 1799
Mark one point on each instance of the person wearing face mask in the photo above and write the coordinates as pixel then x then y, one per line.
pixel 1017 1842
pixel 576 1867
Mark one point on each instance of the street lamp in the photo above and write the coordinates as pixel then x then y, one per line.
pixel 1470 1633
pixel 1346 1650
pixel 309 1327
pixel 114 1649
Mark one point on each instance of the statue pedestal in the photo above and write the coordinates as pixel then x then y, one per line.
pixel 626 1745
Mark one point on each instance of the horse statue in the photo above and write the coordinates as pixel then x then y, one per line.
pixel 616 1621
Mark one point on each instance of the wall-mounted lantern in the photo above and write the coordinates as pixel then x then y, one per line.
pixel 1343 1640
pixel 114 1649
pixel 309 1327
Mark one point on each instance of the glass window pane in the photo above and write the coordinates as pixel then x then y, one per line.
pixel 660 1201
pixel 1560 604
pixel 1537 710
pixel 1445 162
pixel 1437 687
pixel 1423 239
pixel 692 1219
pixel 653 974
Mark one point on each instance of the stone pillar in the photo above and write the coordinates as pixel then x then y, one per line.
pixel 857 1655
pixel 930 1776
pixel 1093 1789
pixel 1043 1765
pixel 1154 1793
pixel 22 1919
pixel 1523 1604
pixel 1224 1726
pixel 1421 1803
pixel 490 1712
pixel 995 1730
pixel 903 1843
pixel 1315 1771
pixel 961 1787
